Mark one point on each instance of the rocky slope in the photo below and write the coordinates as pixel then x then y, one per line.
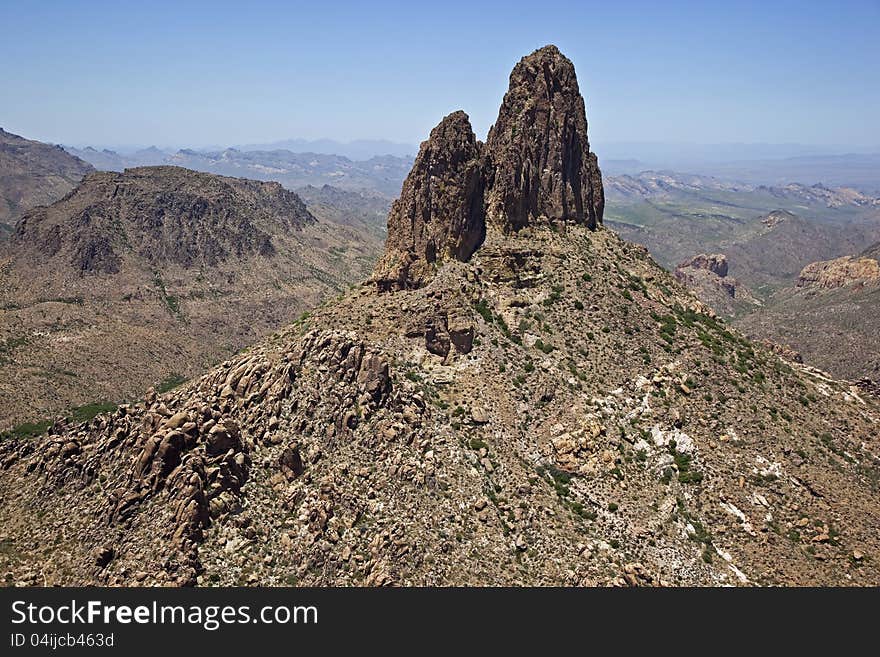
pixel 33 173
pixel 840 272
pixel 774 254
pixel 553 409
pixel 362 209
pixel 830 315
pixel 155 274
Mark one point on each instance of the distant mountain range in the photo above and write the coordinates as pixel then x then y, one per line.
pixel 755 164
pixel 758 164
pixel 359 149
pixel 671 184
pixel 381 173
pixel 678 216
pixel 855 170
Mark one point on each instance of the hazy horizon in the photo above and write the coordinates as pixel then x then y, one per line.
pixel 618 157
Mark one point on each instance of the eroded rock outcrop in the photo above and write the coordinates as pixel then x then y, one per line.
pixel 840 272
pixel 715 263
pixel 708 269
pixel 440 210
pixel 707 276
pixel 536 167
pixel 542 165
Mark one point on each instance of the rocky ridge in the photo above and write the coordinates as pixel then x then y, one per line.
pixel 33 173
pixel 161 215
pixel 840 272
pixel 829 314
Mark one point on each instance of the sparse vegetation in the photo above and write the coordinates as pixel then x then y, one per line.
pixel 169 383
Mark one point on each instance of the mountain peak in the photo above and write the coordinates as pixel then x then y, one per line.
pixel 163 215
pixel 536 167
pixel 544 169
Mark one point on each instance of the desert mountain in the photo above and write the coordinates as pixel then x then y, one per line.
pixel 517 396
pixel 154 274
pixel 773 254
pixel 830 315
pixel 767 233
pixel 362 209
pixel 33 173
pixel 676 186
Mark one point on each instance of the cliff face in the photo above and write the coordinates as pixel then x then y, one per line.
pixel 440 210
pixel 542 165
pixel 536 167
pixel 706 276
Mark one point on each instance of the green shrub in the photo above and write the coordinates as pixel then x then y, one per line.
pixel 28 430
pixel 169 383
pixel 90 411
pixel 482 307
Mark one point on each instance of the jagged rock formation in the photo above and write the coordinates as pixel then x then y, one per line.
pixel 33 173
pixel 840 272
pixel 536 167
pixel 543 169
pixel 707 276
pixel 776 217
pixel 156 273
pixel 715 263
pixel 555 410
pixel 440 213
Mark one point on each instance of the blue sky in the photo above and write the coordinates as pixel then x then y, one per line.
pixel 188 73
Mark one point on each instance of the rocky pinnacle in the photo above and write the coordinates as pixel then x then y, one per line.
pixel 541 160
pixel 536 167
pixel 440 210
